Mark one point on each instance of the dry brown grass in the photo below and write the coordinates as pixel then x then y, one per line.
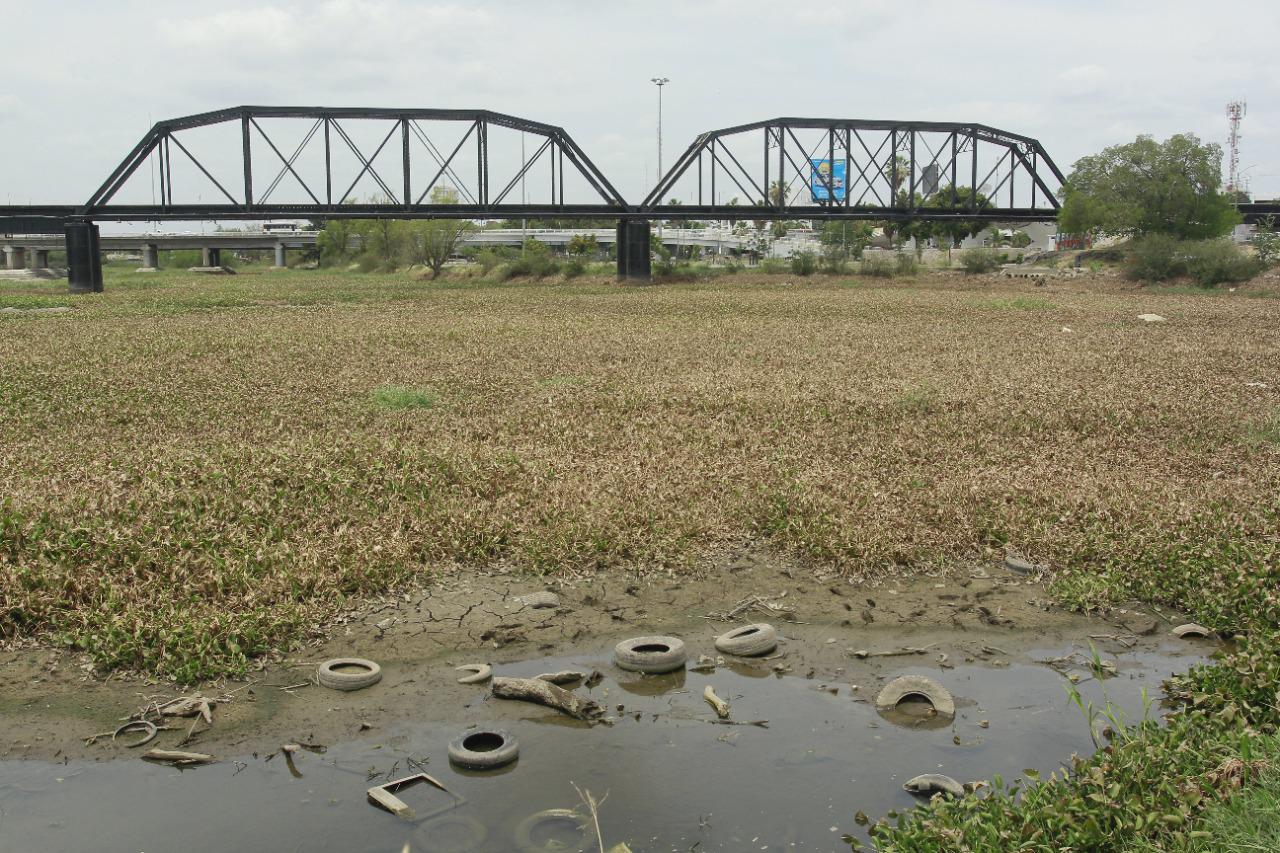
pixel 193 472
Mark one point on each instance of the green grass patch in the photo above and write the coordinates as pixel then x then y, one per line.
pixel 1017 303
pixel 397 397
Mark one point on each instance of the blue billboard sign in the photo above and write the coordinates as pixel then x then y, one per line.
pixel 827 180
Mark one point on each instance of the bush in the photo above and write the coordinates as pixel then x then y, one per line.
pixel 1208 262
pixel 488 259
pixel 877 266
pixel 1266 243
pixel 804 263
pixel 1214 262
pixel 905 264
pixel 774 265
pixel 1156 257
pixel 575 268
pixel 979 261
pixel 835 260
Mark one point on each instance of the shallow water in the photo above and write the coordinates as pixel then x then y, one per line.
pixel 674 781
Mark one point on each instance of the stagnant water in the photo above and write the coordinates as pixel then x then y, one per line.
pixel 675 782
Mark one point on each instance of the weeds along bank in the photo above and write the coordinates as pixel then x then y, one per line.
pixel 196 471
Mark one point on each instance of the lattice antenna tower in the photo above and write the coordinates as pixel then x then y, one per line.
pixel 1235 112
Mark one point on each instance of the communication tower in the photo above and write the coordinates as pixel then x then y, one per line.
pixel 1235 112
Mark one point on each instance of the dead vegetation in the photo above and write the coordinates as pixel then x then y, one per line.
pixel 193 474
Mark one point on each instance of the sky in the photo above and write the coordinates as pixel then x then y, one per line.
pixel 81 82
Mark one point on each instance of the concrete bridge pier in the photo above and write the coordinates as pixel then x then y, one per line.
pixel 39 259
pixel 210 257
pixel 84 258
pixel 15 258
pixel 280 256
pixel 150 257
pixel 633 251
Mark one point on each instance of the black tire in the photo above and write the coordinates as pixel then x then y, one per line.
pixel 484 749
pixel 650 654
pixel 749 641
pixel 330 676
pixel 524 832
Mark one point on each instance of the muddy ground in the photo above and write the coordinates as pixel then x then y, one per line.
pixel 51 701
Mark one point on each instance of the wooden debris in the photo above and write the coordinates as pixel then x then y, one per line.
pixel 545 693
pixel 863 654
pixel 721 707
pixel 568 676
pixel 178 758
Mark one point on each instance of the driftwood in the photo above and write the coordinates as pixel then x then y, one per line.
pixel 546 693
pixel 178 758
pixel 568 676
pixel 721 706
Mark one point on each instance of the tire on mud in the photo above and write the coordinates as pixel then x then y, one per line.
pixel 483 749
pixel 749 641
pixel 525 831
pixel 650 654
pixel 330 676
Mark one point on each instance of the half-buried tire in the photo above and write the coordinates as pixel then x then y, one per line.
pixel 567 821
pixel 650 654
pixel 749 641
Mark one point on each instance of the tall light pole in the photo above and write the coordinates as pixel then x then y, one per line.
pixel 660 82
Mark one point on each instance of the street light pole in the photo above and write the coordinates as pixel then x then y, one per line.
pixel 660 82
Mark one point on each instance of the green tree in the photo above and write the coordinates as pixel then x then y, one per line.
pixel 431 242
pixel 1149 187
pixel 582 244
pixel 849 239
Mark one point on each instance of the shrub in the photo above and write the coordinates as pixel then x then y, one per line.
pixel 877 266
pixel 774 265
pixel 1209 262
pixel 1266 242
pixel 905 264
pixel 835 260
pixel 979 261
pixel 574 268
pixel 1156 257
pixel 804 263
pixel 1214 262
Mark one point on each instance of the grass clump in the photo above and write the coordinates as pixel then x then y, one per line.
pixel 396 397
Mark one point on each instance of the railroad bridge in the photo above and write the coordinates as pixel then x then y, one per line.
pixel 258 163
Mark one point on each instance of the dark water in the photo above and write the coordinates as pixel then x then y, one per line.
pixel 675 782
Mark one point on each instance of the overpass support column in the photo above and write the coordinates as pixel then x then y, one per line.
pixel 633 251
pixel 280 256
pixel 15 258
pixel 84 258
pixel 150 257
pixel 40 259
pixel 210 257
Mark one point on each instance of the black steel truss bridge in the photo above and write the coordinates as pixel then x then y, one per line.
pixel 259 163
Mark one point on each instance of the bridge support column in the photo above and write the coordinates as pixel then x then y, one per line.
pixel 15 258
pixel 633 251
pixel 210 257
pixel 40 259
pixel 280 256
pixel 150 257
pixel 84 258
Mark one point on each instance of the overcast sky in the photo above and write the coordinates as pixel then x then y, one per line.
pixel 80 81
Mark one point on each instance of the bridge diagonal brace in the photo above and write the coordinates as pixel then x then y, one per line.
pixel 445 162
pixel 288 164
pixel 524 170
pixel 368 164
pixel 169 137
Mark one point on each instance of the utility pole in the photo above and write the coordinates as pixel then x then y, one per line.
pixel 660 82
